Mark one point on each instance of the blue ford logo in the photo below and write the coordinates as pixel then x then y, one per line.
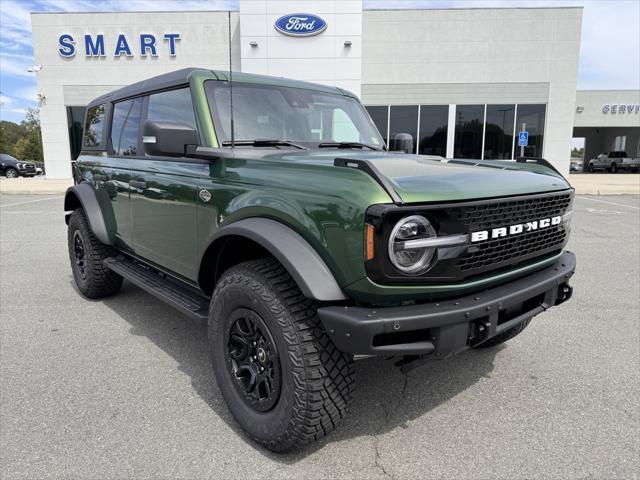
pixel 300 24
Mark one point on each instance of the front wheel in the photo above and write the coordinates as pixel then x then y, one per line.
pixel 614 168
pixel 11 173
pixel 591 168
pixel 86 254
pixel 282 377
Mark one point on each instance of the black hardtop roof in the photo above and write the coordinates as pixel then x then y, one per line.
pixel 181 77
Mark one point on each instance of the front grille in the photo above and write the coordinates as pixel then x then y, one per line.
pixel 503 251
pixel 509 212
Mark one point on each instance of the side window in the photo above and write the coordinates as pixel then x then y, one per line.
pixel 94 126
pixel 172 106
pixel 125 125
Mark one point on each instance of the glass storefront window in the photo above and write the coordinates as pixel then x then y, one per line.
pixel 532 116
pixel 468 136
pixel 498 136
pixel 380 116
pixel 433 130
pixel 403 119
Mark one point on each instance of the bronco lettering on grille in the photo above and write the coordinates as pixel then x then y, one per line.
pixel 516 229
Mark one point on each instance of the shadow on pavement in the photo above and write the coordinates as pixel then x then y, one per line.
pixel 385 398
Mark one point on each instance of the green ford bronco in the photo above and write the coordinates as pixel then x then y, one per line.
pixel 270 210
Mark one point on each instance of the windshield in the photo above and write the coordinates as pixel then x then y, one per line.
pixel 304 117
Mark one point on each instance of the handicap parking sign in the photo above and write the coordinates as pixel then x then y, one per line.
pixel 523 139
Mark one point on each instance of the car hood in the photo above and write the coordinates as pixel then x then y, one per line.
pixel 420 179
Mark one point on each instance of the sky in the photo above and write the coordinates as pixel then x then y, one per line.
pixel 609 51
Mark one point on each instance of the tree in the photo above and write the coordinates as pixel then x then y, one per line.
pixel 577 152
pixel 23 141
pixel 10 133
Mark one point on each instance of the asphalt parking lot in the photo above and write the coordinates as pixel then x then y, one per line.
pixel 121 388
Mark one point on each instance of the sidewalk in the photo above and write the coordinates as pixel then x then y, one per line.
pixel 605 183
pixel 34 185
pixel 584 183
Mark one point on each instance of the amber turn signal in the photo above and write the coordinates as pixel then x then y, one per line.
pixel 369 244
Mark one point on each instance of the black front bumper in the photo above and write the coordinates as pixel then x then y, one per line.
pixel 446 327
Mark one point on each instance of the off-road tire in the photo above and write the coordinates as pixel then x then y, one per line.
pixel 504 336
pixel 98 281
pixel 317 379
pixel 11 173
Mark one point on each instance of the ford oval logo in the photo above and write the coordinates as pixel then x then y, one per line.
pixel 300 24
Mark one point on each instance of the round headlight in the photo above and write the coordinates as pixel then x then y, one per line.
pixel 405 251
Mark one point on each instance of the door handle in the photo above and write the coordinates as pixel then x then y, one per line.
pixel 137 184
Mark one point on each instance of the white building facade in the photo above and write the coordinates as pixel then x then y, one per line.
pixel 463 82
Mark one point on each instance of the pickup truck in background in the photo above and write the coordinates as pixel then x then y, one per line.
pixel 614 161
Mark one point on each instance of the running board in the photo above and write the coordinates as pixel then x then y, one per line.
pixel 181 297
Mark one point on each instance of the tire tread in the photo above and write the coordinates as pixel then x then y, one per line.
pixel 101 281
pixel 323 376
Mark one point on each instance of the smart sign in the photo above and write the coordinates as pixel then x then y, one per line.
pixel 97 46
pixel 300 24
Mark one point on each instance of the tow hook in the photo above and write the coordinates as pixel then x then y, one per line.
pixel 564 293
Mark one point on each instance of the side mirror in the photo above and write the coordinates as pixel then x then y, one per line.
pixel 167 139
pixel 403 142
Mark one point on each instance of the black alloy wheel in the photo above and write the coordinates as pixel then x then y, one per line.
pixel 86 255
pixel 253 360
pixel 283 379
pixel 80 254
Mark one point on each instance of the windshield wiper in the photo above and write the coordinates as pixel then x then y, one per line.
pixel 264 142
pixel 346 145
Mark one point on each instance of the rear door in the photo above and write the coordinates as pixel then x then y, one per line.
pixel 107 173
pixel 123 146
pixel 163 192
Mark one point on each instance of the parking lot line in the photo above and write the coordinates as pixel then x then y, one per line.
pixel 609 203
pixel 29 201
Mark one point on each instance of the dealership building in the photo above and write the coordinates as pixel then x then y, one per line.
pixel 463 82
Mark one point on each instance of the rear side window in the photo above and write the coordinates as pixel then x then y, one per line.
pixel 125 125
pixel 173 106
pixel 94 126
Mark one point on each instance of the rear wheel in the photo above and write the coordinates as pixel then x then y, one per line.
pixel 283 379
pixel 86 254
pixel 504 336
pixel 11 173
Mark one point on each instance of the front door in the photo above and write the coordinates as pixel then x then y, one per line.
pixel 164 194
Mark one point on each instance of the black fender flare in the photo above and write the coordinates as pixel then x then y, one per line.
pixel 89 202
pixel 300 259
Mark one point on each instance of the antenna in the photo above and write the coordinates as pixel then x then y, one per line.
pixel 231 84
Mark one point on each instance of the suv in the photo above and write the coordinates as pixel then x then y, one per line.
pixel 270 210
pixel 11 167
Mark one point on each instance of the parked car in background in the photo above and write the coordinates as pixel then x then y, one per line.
pixel 614 161
pixel 576 165
pixel 11 167
pixel 39 168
